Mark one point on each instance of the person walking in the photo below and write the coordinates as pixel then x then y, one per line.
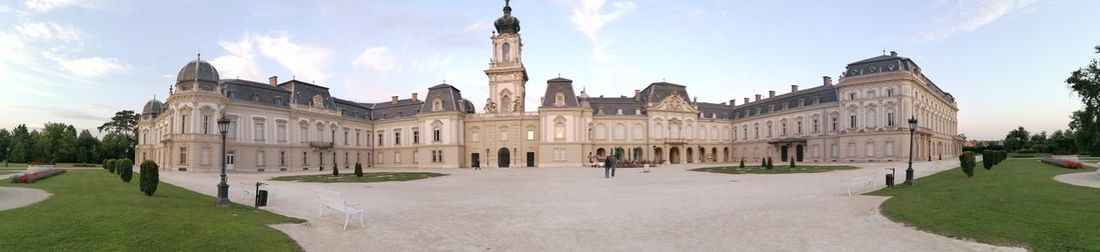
pixel 609 166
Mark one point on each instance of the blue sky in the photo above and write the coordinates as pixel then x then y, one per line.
pixel 79 61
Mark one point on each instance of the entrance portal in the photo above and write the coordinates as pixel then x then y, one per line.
pixel 674 155
pixel 798 150
pixel 530 159
pixel 504 158
pixel 783 153
pixel 475 160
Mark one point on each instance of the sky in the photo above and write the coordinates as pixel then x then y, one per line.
pixel 1005 61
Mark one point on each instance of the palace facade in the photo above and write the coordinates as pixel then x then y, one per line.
pixel 295 125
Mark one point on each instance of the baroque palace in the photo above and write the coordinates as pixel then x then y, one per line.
pixel 294 125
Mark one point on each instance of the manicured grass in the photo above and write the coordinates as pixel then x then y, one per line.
pixel 23 166
pixel 776 169
pixel 92 210
pixel 1028 155
pixel 1017 203
pixel 366 178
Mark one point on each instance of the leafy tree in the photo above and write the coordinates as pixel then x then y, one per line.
pixel 86 146
pixel 1063 142
pixel 1017 139
pixel 124 125
pixel 41 148
pixel 113 146
pixel 21 144
pixel 1085 81
pixel 5 143
pixel 55 143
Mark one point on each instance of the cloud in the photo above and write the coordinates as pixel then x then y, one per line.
pixel 479 26
pixel 377 59
pixel 967 16
pixel 302 60
pixel 93 67
pixel 305 62
pixel 589 17
pixel 241 61
pixel 13 49
pixel 48 31
pixel 43 6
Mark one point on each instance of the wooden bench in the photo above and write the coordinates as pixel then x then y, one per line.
pixel 335 201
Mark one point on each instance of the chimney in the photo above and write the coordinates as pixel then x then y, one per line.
pixel 394 101
pixel 771 93
pixel 746 100
pixel 758 97
pixel 414 97
pixel 794 88
pixel 827 80
pixel 637 95
pixel 733 102
pixel 273 80
pixel 894 53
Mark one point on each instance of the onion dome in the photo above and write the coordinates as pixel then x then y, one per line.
pixel 152 108
pixel 507 24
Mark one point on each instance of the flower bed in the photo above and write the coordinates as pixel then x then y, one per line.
pixel 1072 164
pixel 35 175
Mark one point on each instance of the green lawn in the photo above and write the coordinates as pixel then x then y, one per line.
pixel 92 210
pixel 23 166
pixel 1028 155
pixel 1017 203
pixel 366 178
pixel 776 169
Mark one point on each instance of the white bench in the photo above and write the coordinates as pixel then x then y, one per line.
pixel 335 201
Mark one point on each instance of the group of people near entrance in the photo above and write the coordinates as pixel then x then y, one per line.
pixel 608 165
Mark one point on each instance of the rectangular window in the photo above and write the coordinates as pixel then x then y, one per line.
pixel 870 149
pixel 397 138
pixel 303 135
pixel 851 96
pixel 281 133
pixel 437 135
pixel 183 155
pixel 559 131
pixel 305 159
pixel 890 119
pixel 890 92
pixel 834 151
pixel 852 122
pixel 345 137
pixel 397 157
pixel 205 156
pixel 852 149
pixel 259 131
pixel 356 138
pixel 416 137
pixel 259 158
pixel 815 126
pixel 474 136
pixel 379 140
pixel 815 152
pixel 503 136
pixel 205 124
pixel 799 128
pixel 530 134
pixel 889 149
pixel 834 123
pixel 231 132
pixel 282 158
pixel 183 124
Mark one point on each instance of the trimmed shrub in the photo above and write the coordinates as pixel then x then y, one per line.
pixel 988 157
pixel 763 162
pixel 126 170
pixel 966 161
pixel 335 171
pixel 110 165
pixel 792 162
pixel 769 164
pixel 150 177
pixel 742 163
pixel 358 170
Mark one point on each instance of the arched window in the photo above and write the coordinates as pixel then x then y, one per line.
pixel 506 52
pixel 559 99
pixel 437 104
pixel 559 128
pixel 620 132
pixel 601 131
pixel 872 119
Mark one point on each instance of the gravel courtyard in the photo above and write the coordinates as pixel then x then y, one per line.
pixel 577 209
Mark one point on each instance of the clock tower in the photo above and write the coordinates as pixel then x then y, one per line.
pixel 507 76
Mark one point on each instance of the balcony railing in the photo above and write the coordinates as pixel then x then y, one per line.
pixel 320 145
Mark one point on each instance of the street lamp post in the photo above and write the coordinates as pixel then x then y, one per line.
pixel 223 187
pixel 912 131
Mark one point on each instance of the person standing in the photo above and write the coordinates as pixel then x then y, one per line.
pixel 609 166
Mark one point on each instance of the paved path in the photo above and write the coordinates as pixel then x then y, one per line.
pixel 1089 179
pixel 12 197
pixel 576 209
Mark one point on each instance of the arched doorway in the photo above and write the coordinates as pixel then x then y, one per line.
pixel 674 155
pixel 637 153
pixel 798 152
pixel 714 154
pixel 783 153
pixel 690 158
pixel 657 158
pixel 601 153
pixel 726 154
pixel 619 153
pixel 504 158
pixel 702 155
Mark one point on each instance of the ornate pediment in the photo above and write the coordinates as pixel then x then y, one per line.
pixel 675 103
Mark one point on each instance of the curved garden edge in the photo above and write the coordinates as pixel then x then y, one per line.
pixel 14 197
pixel 1086 179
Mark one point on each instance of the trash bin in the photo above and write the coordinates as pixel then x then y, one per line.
pixel 261 198
pixel 889 181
